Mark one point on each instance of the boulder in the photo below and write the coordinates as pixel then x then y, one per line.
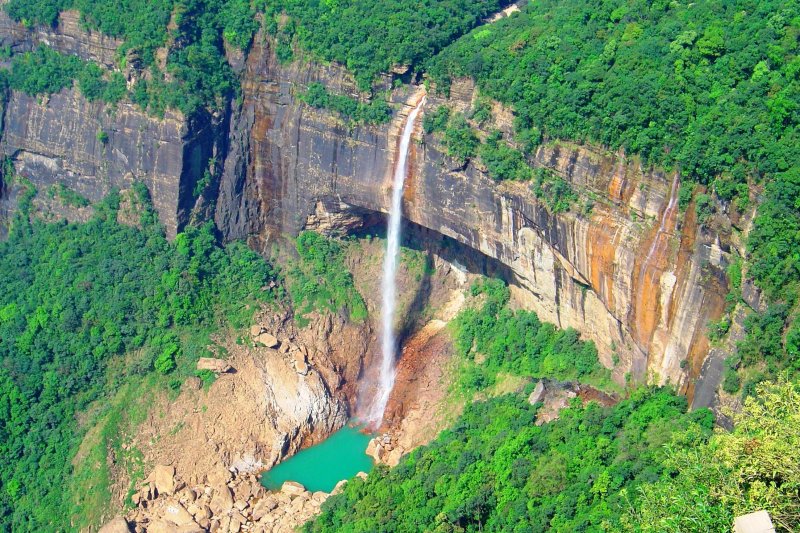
pixel 162 526
pixel 293 488
pixel 300 364
pixel 218 366
pixel 758 522
pixel 339 487
pixel 264 506
pixel 393 457
pixel 538 393
pixel 375 449
pixel 177 514
pixel 222 502
pixel 256 330
pixel 117 525
pixel 240 505
pixel 164 478
pixel 267 340
pixel 218 475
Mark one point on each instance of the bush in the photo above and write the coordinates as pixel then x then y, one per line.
pixel 165 363
pixel 321 282
pixel 434 121
pixel 374 112
pixel 551 189
pixel 502 161
pixel 459 139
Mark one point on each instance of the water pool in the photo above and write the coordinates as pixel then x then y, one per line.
pixel 321 467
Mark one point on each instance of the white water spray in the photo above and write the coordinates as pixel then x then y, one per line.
pixel 389 281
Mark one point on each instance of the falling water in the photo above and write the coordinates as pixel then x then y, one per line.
pixel 389 282
pixel 673 202
pixel 646 272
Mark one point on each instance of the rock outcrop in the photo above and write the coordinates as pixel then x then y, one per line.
pixel 215 365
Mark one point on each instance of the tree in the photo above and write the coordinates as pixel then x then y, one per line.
pixel 754 467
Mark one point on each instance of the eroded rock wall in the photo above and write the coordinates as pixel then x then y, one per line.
pixel 639 278
pixel 92 147
pixel 632 273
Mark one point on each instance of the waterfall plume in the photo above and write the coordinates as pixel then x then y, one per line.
pixel 389 279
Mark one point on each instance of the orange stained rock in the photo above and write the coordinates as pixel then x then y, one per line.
pixel 654 257
pixel 602 240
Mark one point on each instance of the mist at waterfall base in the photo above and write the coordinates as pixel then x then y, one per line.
pixel 386 376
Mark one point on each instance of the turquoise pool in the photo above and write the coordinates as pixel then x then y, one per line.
pixel 321 467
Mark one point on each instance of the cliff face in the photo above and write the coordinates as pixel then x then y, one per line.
pixel 632 273
pixel 57 139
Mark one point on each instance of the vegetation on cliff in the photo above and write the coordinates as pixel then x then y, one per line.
pixel 45 71
pixel 495 470
pixel 86 309
pixel 371 38
pixel 320 281
pixel 377 111
pixel 367 37
pixel 196 72
pixel 518 343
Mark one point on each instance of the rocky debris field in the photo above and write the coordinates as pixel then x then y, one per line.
pixel 228 501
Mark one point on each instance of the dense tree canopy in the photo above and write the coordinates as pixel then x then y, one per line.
pixel 517 342
pixel 320 281
pixel 371 37
pixel 74 297
pixel 754 467
pixel 495 470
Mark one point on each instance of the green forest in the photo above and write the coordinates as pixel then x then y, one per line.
pixel 518 343
pixel 76 300
pixel 641 465
pixel 94 313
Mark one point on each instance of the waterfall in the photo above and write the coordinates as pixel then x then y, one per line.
pixel 662 228
pixel 389 281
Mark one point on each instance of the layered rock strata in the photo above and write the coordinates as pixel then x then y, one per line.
pixel 625 266
pixel 629 271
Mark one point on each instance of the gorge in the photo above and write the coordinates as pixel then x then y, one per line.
pixel 423 251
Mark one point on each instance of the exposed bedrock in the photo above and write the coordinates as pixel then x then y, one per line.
pixel 635 275
pixel 92 147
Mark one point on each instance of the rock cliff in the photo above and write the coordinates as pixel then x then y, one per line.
pixel 92 147
pixel 632 273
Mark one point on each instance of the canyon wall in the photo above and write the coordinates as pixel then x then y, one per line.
pixel 92 147
pixel 632 272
